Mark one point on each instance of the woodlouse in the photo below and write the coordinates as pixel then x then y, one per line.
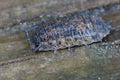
pixel 78 28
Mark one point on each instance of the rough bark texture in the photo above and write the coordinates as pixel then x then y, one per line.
pixel 81 63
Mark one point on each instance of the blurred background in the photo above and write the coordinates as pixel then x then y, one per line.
pixel 82 63
pixel 12 11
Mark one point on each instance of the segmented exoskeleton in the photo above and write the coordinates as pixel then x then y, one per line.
pixel 78 28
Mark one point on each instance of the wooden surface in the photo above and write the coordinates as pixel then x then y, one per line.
pixel 12 11
pixel 82 63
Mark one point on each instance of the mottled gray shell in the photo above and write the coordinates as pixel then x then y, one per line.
pixel 79 28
